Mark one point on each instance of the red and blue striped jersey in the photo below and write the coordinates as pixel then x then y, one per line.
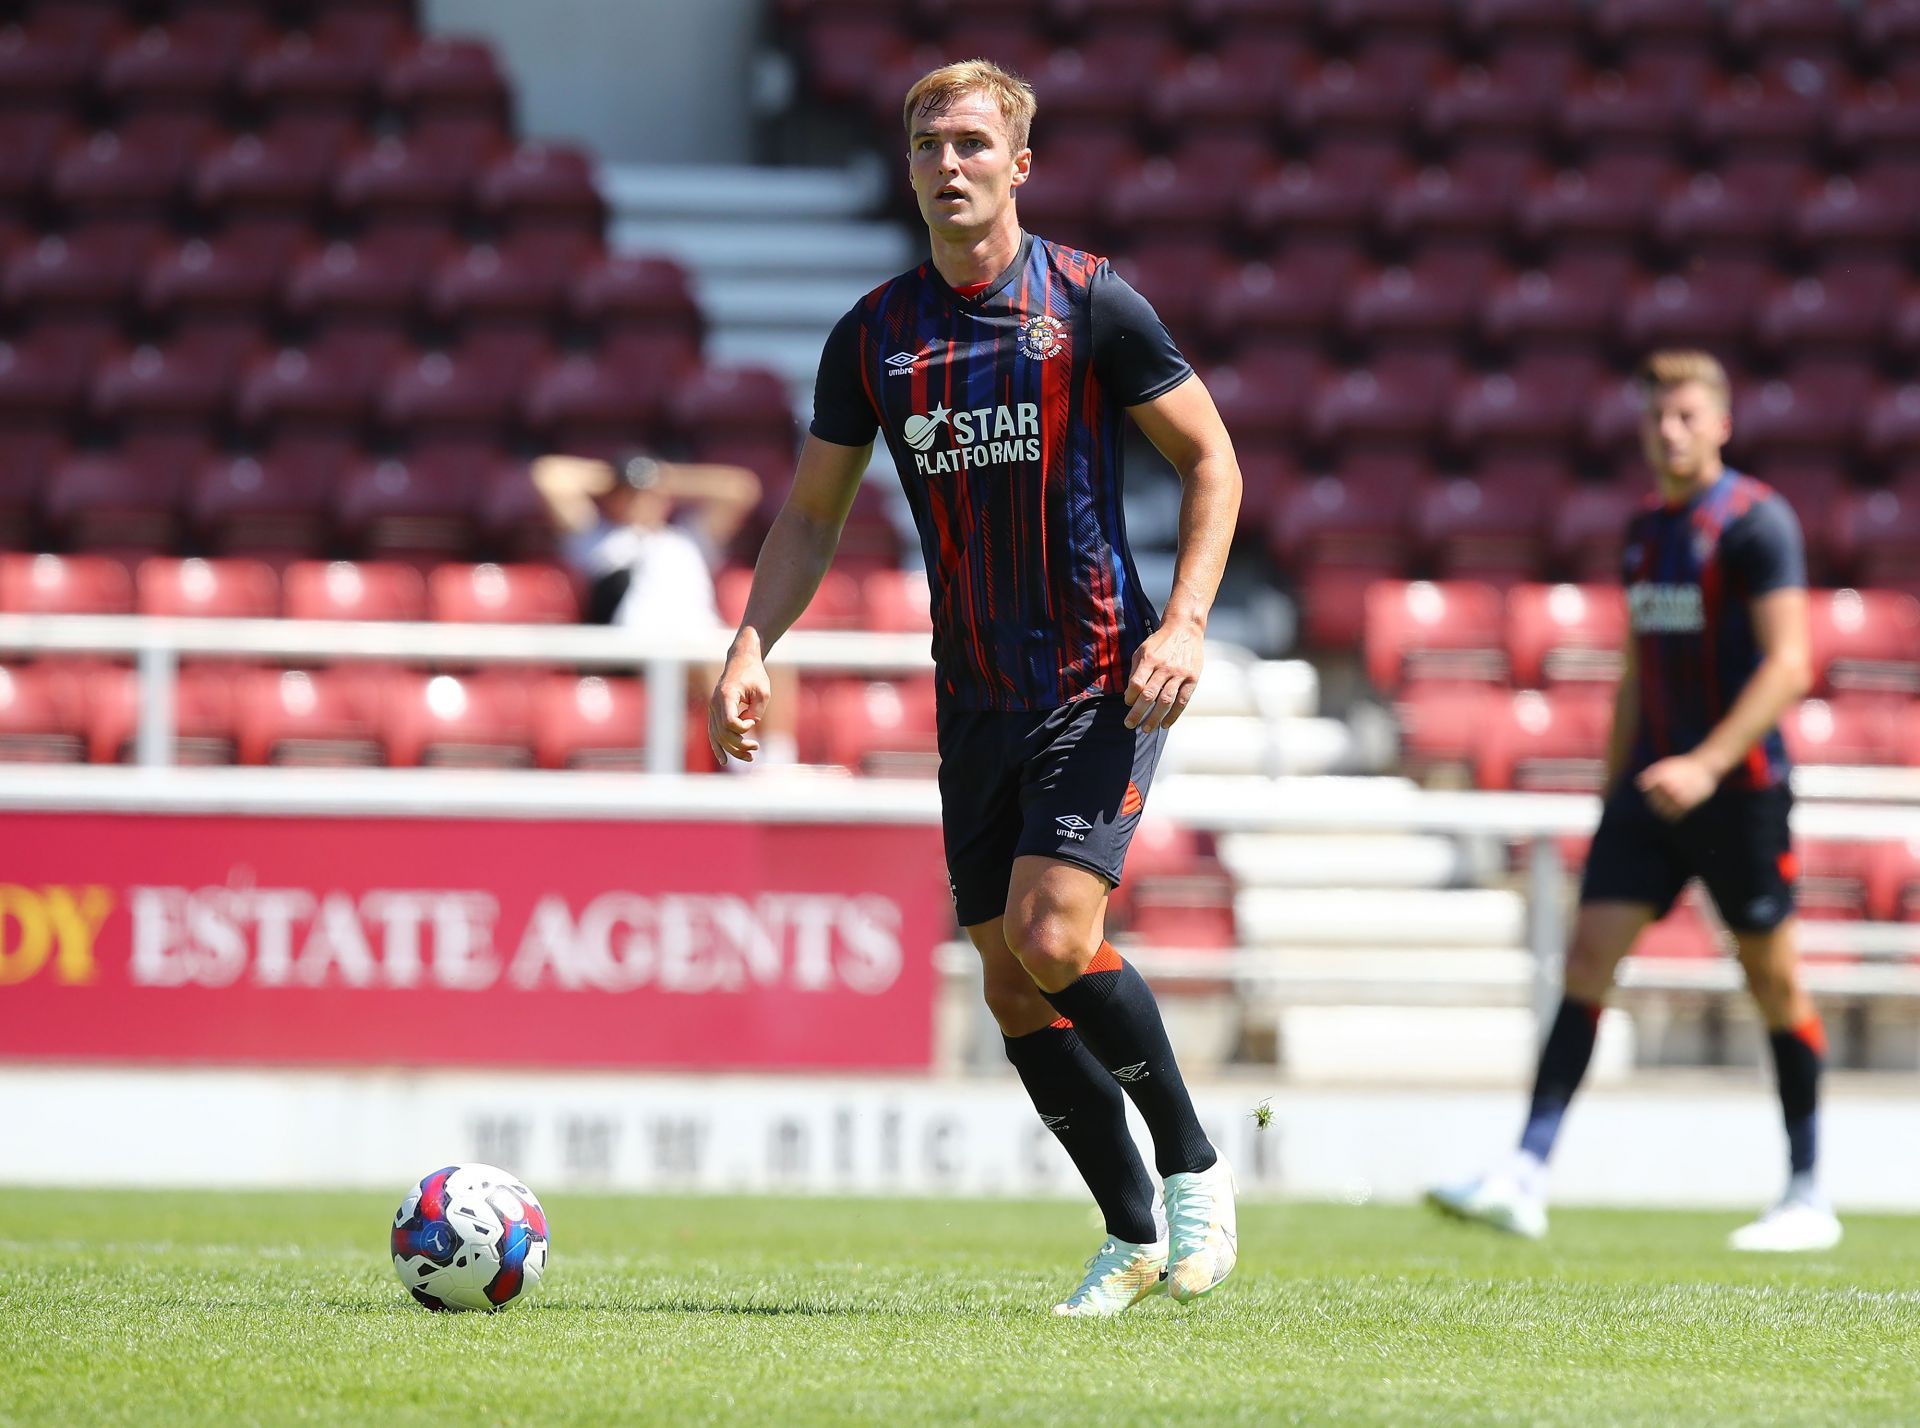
pixel 1691 572
pixel 1004 411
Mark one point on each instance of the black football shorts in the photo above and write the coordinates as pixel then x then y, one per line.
pixel 1737 843
pixel 1066 783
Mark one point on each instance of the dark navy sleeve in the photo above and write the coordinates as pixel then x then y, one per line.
pixel 1763 547
pixel 841 412
pixel 1133 353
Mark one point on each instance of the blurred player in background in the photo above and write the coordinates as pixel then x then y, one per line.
pixel 999 374
pixel 644 535
pixel 1715 575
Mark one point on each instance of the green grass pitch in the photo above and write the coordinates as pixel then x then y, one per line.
pixel 266 1308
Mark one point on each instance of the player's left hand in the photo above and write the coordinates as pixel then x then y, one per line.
pixel 1675 787
pixel 1166 668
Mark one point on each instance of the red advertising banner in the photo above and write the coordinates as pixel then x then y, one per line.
pixel 442 941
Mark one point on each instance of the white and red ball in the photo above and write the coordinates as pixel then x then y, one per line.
pixel 469 1237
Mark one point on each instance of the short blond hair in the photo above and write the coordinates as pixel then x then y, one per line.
pixel 936 91
pixel 1663 370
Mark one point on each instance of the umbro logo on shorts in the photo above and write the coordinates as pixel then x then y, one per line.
pixel 1073 827
pixel 1135 1072
pixel 1054 1123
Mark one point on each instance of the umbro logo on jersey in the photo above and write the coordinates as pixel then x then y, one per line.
pixel 901 364
pixel 1135 1072
pixel 1073 827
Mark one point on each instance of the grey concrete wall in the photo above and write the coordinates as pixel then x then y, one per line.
pixel 642 81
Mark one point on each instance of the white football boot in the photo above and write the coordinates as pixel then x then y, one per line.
pixel 1801 1221
pixel 1119 1276
pixel 1501 1199
pixel 1202 1233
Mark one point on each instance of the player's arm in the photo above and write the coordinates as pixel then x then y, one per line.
pixel 1185 427
pixel 1767 554
pixel 568 485
pixel 1626 714
pixel 796 555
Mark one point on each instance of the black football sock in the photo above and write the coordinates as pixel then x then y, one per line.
pixel 1079 1102
pixel 1113 1009
pixel 1799 1052
pixel 1563 1062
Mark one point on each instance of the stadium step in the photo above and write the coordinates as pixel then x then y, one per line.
pixel 1294 860
pixel 1380 917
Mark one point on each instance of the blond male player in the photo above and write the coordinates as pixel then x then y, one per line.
pixel 999 374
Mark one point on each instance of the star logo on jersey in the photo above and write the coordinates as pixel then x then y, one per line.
pixel 901 364
pixel 920 430
pixel 1041 337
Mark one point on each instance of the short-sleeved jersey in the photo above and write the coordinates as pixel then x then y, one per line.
pixel 1690 572
pixel 1004 411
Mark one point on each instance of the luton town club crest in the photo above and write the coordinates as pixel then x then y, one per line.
pixel 1041 337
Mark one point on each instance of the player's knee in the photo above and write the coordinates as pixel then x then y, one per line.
pixel 1017 1008
pixel 1052 951
pixel 1588 974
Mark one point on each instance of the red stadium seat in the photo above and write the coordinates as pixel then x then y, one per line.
pixel 1865 642
pixel 64 585
pixel 1762 30
pixel 1818 412
pixel 1635 26
pixel 414 510
pixel 450 722
pixel 1339 536
pixel 590 722
pixel 1101 78
pixel 591 405
pixel 1292 301
pixel 1194 191
pixel 1876 536
pixel 1709 309
pixel 203 716
pixel 1437 296
pixel 1847 218
pixel 1237 90
pixel 1589 528
pixel 1395 403
pixel 304 75
pixel 1504 105
pixel 1566 304
pixel 213 295
pixel 1820 731
pixel 29 455
pixel 515 526
pixel 80 282
pixel 1732 208
pixel 268 188
pixel 1440 725
pixel 1327 198
pixel 28 141
pixel 895 601
pixel 307 718
pixel 268 507
pixel 166 402
pixel 643 309
pixel 1894 892
pixel 843 53
pixel 182 67
pixel 353 590
pixel 1475 198
pixel 502 594
pixel 1836 881
pixel 1844 309
pixel 1181 278
pixel 1262 395
pixel 1876 129
pixel 737 402
pixel 1452 631
pixel 1892 434
pixel 1607 202
pixel 45 67
pixel 103 503
pixel 211 589
pixel 409 195
pixel 314 398
pixel 542 197
pixel 1565 634
pixel 1492 528
pixel 869 540
pixel 452 94
pixel 1069 196
pixel 1534 410
pixel 462 398
pixel 131 176
pixel 351 284
pixel 42 715
pixel 836 605
pixel 1544 743
pixel 881 727
pixel 501 299
pixel 1752 114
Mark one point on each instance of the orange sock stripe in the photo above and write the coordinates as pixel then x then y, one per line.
pixel 1814 1033
pixel 1059 1023
pixel 1105 960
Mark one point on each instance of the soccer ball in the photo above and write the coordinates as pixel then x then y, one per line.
pixel 469 1237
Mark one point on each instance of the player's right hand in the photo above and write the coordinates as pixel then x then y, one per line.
pixel 738 704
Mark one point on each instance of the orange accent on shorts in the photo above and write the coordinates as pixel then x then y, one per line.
pixel 1133 802
pixel 1059 1023
pixel 1789 866
pixel 1105 960
pixel 1814 1034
